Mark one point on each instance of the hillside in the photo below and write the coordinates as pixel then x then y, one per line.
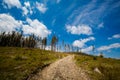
pixel 20 63
pixel 25 63
pixel 99 68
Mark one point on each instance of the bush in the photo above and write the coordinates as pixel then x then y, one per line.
pixel 94 58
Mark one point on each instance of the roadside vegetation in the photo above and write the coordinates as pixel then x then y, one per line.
pixel 99 68
pixel 18 63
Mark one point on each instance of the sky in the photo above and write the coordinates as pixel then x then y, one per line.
pixel 81 23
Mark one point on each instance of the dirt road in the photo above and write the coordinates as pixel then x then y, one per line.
pixel 63 69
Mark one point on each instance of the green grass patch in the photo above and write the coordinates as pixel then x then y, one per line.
pixel 109 68
pixel 18 63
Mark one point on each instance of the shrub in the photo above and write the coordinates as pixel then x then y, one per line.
pixel 94 58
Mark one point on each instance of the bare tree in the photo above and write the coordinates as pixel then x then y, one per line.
pixel 44 43
pixel 93 48
pixel 53 43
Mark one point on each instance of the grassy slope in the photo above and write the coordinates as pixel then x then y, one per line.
pixel 109 68
pixel 19 63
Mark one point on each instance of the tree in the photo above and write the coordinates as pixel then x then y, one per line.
pixel 77 49
pixel 68 48
pixel 16 39
pixel 44 43
pixel 72 48
pixel 65 47
pixel 53 43
pixel 93 48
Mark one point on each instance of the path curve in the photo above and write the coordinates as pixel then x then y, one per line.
pixel 63 69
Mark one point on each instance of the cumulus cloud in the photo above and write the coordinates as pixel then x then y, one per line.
pixel 41 7
pixel 88 49
pixel 9 23
pixel 81 43
pixel 12 3
pixel 27 8
pixel 108 47
pixel 80 29
pixel 36 27
pixel 116 36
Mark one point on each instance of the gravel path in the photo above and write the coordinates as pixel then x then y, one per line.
pixel 63 69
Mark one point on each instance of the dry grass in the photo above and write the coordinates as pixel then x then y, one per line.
pixel 19 63
pixel 109 68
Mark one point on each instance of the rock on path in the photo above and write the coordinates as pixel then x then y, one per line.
pixel 63 69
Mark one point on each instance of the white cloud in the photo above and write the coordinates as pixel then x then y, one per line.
pixel 29 20
pixel 58 1
pixel 31 11
pixel 27 4
pixel 53 22
pixel 116 36
pixel 25 10
pixel 101 25
pixel 83 14
pixel 36 27
pixel 92 14
pixel 88 49
pixel 80 29
pixel 78 43
pixel 12 3
pixel 41 7
pixel 81 43
pixel 108 47
pixel 48 48
pixel 8 23
pixel 16 3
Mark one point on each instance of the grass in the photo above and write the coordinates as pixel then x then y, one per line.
pixel 19 63
pixel 109 68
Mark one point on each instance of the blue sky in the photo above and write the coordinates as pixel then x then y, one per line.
pixel 81 23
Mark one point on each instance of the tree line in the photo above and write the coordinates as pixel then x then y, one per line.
pixel 17 39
